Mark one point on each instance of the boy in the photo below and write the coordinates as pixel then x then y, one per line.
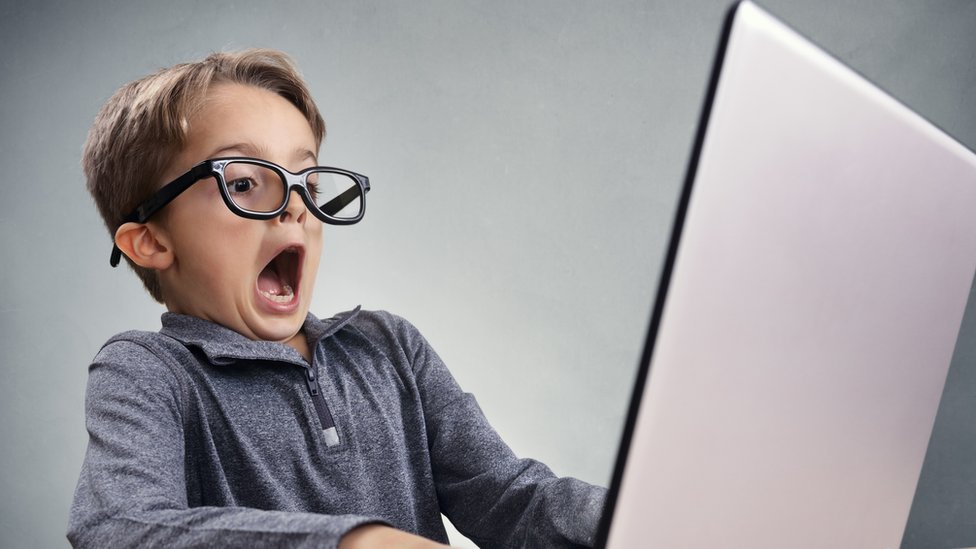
pixel 246 421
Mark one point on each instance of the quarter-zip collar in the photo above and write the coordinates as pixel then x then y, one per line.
pixel 225 346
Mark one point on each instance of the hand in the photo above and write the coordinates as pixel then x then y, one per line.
pixel 373 536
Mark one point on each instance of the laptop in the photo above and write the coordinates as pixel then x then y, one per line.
pixel 811 297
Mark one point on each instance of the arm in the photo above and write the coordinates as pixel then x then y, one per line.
pixel 132 489
pixel 376 536
pixel 490 495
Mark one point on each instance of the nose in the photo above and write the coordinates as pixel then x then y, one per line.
pixel 295 209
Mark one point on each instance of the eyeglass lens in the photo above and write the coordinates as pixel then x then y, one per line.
pixel 259 188
pixel 337 195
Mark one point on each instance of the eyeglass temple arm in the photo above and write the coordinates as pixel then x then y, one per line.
pixel 157 201
pixel 336 205
pixel 116 256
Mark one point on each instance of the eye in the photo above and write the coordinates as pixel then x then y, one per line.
pixel 313 189
pixel 241 185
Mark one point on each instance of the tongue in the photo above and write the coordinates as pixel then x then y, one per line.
pixel 269 282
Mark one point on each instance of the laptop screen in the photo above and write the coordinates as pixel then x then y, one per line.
pixel 819 267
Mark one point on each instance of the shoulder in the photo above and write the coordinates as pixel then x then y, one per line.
pixel 383 333
pixel 144 350
pixel 136 379
pixel 386 328
pixel 375 325
pixel 383 322
pixel 145 359
pixel 137 345
pixel 381 341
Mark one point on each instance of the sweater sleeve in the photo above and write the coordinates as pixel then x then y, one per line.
pixel 492 496
pixel 132 490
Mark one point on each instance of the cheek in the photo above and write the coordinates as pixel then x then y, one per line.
pixel 222 248
pixel 314 232
pixel 314 252
pixel 218 271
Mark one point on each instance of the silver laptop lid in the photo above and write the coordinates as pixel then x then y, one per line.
pixel 821 261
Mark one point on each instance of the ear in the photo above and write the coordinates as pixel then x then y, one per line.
pixel 145 245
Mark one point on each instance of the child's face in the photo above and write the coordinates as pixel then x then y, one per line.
pixel 228 269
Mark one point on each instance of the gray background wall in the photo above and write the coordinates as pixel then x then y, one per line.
pixel 526 159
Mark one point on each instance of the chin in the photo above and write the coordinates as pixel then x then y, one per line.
pixel 280 329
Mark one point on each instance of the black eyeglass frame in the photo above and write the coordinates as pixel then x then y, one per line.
pixel 214 167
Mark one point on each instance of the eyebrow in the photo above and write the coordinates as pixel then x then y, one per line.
pixel 249 149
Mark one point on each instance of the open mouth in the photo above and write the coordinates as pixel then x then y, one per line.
pixel 279 279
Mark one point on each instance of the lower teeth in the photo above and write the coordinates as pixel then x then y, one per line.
pixel 287 293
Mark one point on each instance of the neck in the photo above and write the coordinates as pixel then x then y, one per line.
pixel 300 344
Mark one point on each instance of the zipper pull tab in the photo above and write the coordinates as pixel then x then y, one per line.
pixel 313 385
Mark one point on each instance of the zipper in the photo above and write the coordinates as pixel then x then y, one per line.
pixel 321 407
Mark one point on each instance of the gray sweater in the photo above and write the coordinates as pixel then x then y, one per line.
pixel 200 437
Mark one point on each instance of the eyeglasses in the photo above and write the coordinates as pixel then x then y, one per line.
pixel 257 189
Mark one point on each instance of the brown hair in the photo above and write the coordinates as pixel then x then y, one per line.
pixel 141 128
